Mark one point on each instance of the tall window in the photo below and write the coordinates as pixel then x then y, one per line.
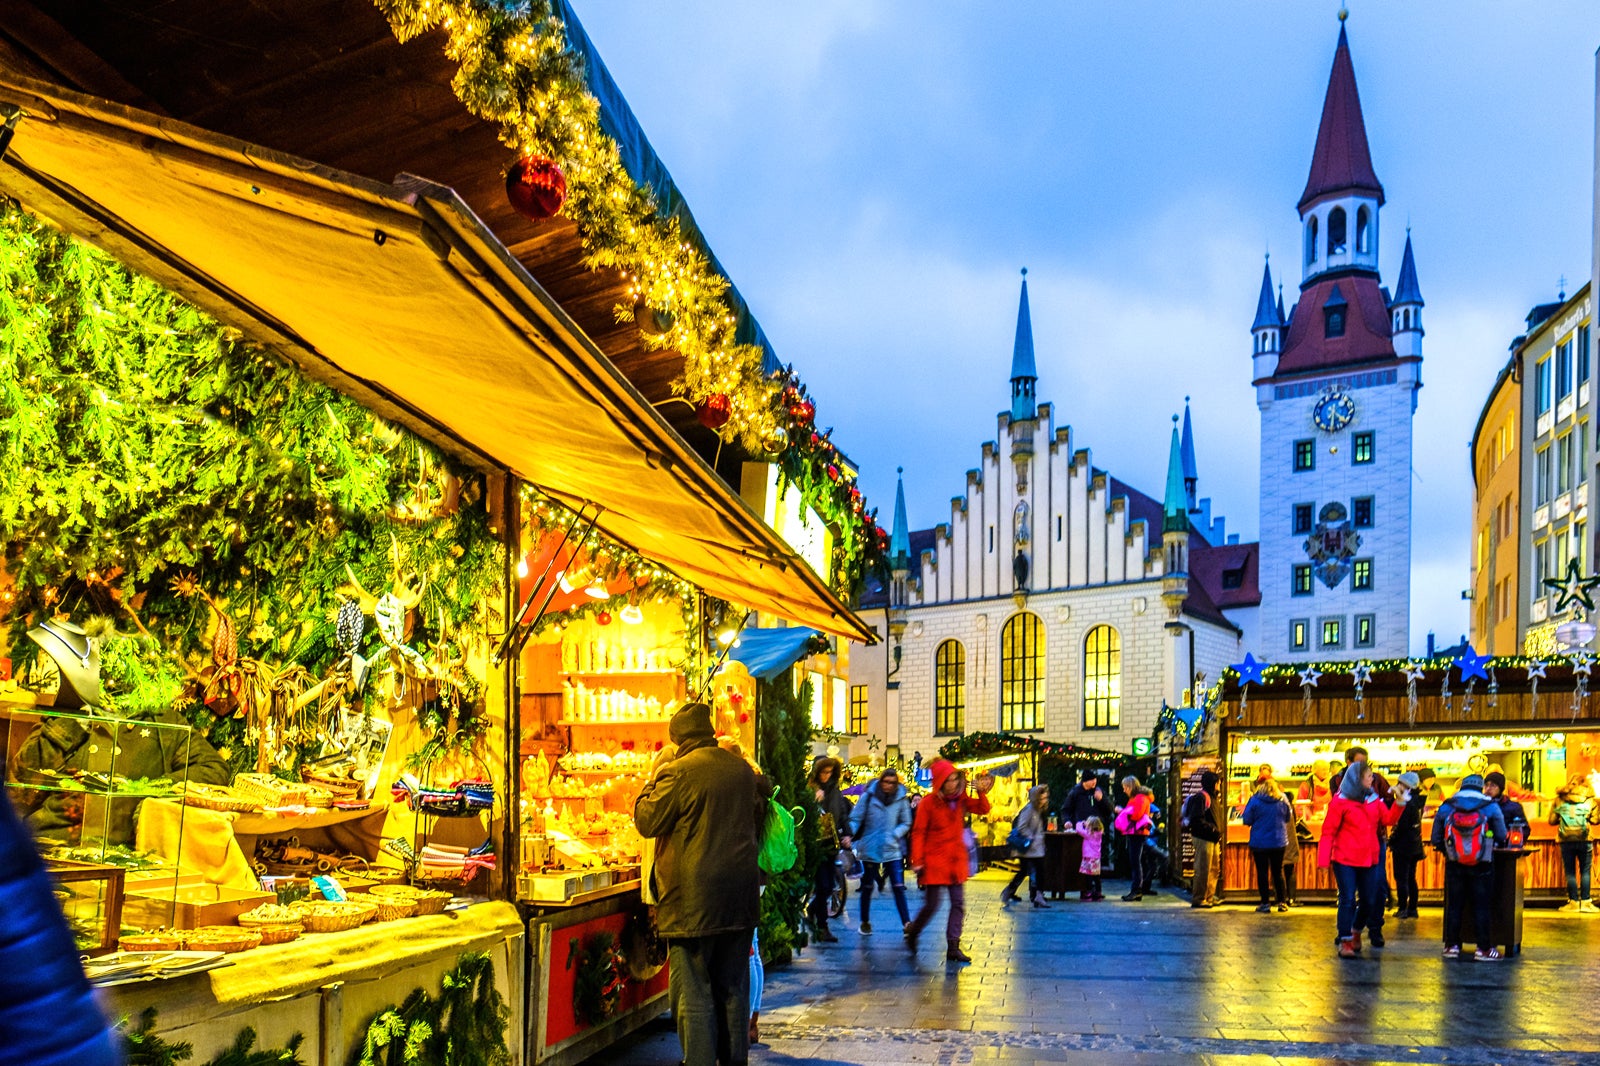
pixel 1336 231
pixel 1564 462
pixel 1583 354
pixel 1541 569
pixel 858 709
pixel 1366 630
pixel 1582 456
pixel 1563 370
pixel 1311 240
pixel 1332 633
pixel 1363 230
pixel 1541 386
pixel 1361 575
pixel 1021 672
pixel 1361 447
pixel 1102 679
pixel 1298 638
pixel 1300 581
pixel 1541 477
pixel 950 689
pixel 1305 454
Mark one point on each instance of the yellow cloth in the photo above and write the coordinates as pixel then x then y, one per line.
pixel 201 840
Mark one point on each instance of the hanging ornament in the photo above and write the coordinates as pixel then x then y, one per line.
pixel 536 187
pixel 1493 689
pixel 1413 672
pixel 1249 672
pixel 1582 665
pixel 1361 675
pixel 349 626
pixel 803 412
pixel 776 441
pixel 1445 695
pixel 603 618
pixel 1536 668
pixel 714 411
pixel 1308 681
pixel 833 472
pixel 1573 588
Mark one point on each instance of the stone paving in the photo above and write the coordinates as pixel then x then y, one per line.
pixel 1159 983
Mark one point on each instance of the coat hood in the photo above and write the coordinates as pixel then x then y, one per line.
pixel 1208 782
pixel 876 789
pixel 1350 784
pixel 823 761
pixel 941 771
pixel 1469 799
pixel 1035 791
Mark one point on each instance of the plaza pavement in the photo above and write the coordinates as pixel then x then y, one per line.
pixel 1157 983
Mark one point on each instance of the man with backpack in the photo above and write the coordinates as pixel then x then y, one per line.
pixel 1572 814
pixel 1466 829
pixel 1204 818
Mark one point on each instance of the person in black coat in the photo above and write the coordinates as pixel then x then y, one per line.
pixel 833 830
pixel 48 1013
pixel 1494 786
pixel 1085 800
pixel 1405 843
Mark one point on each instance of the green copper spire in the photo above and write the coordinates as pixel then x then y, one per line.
pixel 900 535
pixel 1175 507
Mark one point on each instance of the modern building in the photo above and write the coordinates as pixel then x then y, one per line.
pixel 1497 523
pixel 1055 599
pixel 1336 383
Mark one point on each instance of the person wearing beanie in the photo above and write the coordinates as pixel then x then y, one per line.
pixel 704 810
pixel 1349 850
pixel 1466 829
pixel 1494 786
pixel 1405 843
pixel 1200 817
pixel 939 853
pixel 833 833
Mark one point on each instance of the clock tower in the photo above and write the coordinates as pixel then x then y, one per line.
pixel 1336 383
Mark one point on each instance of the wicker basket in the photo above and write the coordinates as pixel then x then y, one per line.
pixel 390 908
pixel 270 791
pixel 340 787
pixel 268 915
pixel 162 941
pixel 217 798
pixel 224 938
pixel 426 902
pixel 279 934
pixel 327 916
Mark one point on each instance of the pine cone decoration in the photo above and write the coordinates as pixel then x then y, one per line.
pixel 348 627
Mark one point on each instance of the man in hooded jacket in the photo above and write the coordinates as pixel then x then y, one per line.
pixel 833 831
pixel 1469 884
pixel 704 811
pixel 1206 821
pixel 880 822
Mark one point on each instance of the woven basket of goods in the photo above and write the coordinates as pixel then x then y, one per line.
pixel 217 798
pixel 391 907
pixel 427 902
pixel 330 916
pixel 268 915
pixel 279 934
pixel 223 938
pixel 270 791
pixel 161 940
pixel 317 796
pixel 341 787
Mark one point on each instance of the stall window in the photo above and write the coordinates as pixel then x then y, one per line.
pixel 1301 584
pixel 858 709
pixel 1303 517
pixel 1305 455
pixel 1361 512
pixel 1021 672
pixel 950 689
pixel 819 699
pixel 1299 634
pixel 1362 447
pixel 1102 679
pixel 1361 575
pixel 1366 630
pixel 1332 633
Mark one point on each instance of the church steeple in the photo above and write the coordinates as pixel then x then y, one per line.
pixel 1024 375
pixel 1175 504
pixel 900 535
pixel 1191 470
pixel 1339 207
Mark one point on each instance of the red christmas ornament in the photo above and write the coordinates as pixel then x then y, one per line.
pixel 604 618
pixel 743 718
pixel 536 187
pixel 714 411
pixel 833 472
pixel 803 412
pixel 855 493
pixel 816 439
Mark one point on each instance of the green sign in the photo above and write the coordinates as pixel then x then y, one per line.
pixel 1143 746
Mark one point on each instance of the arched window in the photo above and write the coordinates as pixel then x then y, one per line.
pixel 950 689
pixel 1311 240
pixel 1021 672
pixel 1102 679
pixel 1363 230
pixel 1336 231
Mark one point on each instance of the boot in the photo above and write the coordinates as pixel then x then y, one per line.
pixel 755 1028
pixel 911 932
pixel 1038 901
pixel 953 953
pixel 825 935
pixel 1355 940
pixel 1348 948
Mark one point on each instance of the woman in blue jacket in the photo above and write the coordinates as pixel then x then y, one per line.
pixel 1269 816
pixel 48 1012
pixel 879 824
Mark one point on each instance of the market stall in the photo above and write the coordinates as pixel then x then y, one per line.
pixel 1532 720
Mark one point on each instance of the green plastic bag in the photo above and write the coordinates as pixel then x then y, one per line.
pixel 778 848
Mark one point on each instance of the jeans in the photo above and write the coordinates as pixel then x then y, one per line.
pixel 1289 879
pixel 930 903
pixel 1028 868
pixel 874 875
pixel 822 889
pixel 1405 881
pixel 1576 858
pixel 1207 868
pixel 708 985
pixel 758 972
pixel 1135 847
pixel 1360 892
pixel 1269 867
pixel 1464 886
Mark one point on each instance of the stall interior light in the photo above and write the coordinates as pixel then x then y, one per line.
pixel 597 590
pixel 567 587
pixel 522 567
pixel 728 635
pixel 632 615
pixel 979 764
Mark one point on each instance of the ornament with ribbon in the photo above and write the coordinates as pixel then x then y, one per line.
pixel 1413 672
pixel 1361 675
pixel 1308 681
pixel 1471 665
pixel 1249 673
pixel 1582 666
pixel 1536 669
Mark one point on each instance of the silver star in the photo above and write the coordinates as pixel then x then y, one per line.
pixel 1583 665
pixel 144 732
pixel 1362 673
pixel 1309 676
pixel 1414 671
pixel 1536 667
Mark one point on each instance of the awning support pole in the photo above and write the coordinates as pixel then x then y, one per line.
pixel 521 628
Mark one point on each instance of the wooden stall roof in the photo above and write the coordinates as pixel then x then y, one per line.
pixel 400 296
pixel 326 80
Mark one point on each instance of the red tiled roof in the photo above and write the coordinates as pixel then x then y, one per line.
pixel 1367 332
pixel 1341 162
pixel 1207 565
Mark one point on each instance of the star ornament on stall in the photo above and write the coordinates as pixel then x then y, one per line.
pixel 1536 667
pixel 1573 587
pixel 1413 672
pixel 1309 676
pixel 1472 664
pixel 1250 669
pixel 1361 674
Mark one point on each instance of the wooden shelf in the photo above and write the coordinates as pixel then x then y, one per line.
pixel 602 773
pixel 657 722
pixel 619 673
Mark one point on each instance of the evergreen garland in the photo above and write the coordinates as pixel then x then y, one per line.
pixel 784 721
pixel 465 1025
pixel 142 1047
pixel 599 978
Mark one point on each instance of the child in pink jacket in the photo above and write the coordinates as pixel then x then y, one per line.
pixel 1093 832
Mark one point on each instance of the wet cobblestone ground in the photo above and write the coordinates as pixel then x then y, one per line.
pixel 1158 983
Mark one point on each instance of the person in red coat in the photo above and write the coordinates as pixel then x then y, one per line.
pixel 1349 847
pixel 939 853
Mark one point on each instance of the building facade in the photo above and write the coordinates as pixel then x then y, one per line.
pixel 1497 520
pixel 1336 382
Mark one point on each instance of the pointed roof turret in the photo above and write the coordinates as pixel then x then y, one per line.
pixel 1175 505
pixel 1408 291
pixel 1281 318
pixel 1268 314
pixel 1023 372
pixel 1191 473
pixel 1341 162
pixel 900 535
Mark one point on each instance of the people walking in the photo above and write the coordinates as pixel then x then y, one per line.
pixel 1029 822
pixel 1202 817
pixel 1093 832
pixel 1405 843
pixel 880 824
pixel 1134 822
pixel 833 833
pixel 1574 812
pixel 1349 849
pixel 705 812
pixel 1268 814
pixel 939 852
pixel 1466 829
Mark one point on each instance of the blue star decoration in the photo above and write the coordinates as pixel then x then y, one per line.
pixel 1472 664
pixel 1250 669
pixel 1573 588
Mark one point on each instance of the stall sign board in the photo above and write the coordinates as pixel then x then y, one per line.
pixel 1188 785
pixel 1143 746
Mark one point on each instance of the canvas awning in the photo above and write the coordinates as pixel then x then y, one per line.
pixel 400 297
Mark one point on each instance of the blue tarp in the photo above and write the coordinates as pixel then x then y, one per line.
pixel 767 653
pixel 645 167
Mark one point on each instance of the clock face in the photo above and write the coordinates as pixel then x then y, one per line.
pixel 1333 411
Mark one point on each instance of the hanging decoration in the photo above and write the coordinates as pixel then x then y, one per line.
pixel 1536 669
pixel 1493 689
pixel 714 411
pixel 974 745
pixel 1413 672
pixel 1572 588
pixel 1182 725
pixel 536 187
pixel 1361 675
pixel 1249 672
pixel 1308 681
pixel 1582 666
pixel 1472 667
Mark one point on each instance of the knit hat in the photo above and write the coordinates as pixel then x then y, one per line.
pixel 692 722
pixel 1208 780
pixel 1411 780
pixel 1350 785
pixel 1087 776
pixel 1497 779
pixel 1472 783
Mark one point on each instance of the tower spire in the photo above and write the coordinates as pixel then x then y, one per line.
pixel 1175 505
pixel 1408 291
pixel 1342 161
pixel 900 535
pixel 1267 314
pixel 1191 471
pixel 1024 375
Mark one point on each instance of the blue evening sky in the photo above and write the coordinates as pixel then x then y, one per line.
pixel 874 172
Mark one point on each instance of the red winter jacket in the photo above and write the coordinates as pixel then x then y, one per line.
pixel 938 839
pixel 1350 830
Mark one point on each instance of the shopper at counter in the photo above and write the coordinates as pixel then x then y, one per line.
pixel 1206 821
pixel 1349 848
pixel 1381 787
pixel 1291 853
pixel 1572 815
pixel 1466 829
pixel 1405 843
pixel 1086 800
pixel 1269 816
pixel 1134 821
pixel 1316 789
